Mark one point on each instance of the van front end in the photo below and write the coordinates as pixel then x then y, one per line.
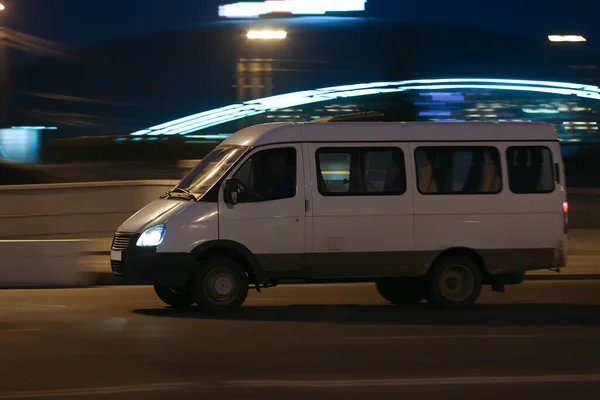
pixel 135 258
pixel 155 245
pixel 164 245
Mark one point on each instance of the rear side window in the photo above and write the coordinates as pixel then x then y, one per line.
pixel 458 170
pixel 361 171
pixel 530 169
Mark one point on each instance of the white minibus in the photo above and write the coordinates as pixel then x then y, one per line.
pixel 427 211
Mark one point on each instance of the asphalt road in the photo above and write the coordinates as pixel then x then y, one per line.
pixel 296 342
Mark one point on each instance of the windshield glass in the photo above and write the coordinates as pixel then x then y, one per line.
pixel 212 168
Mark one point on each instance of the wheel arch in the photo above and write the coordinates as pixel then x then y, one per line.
pixel 235 251
pixel 464 252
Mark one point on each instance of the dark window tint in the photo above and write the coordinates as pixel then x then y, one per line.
pixel 268 175
pixel 530 169
pixel 361 171
pixel 458 170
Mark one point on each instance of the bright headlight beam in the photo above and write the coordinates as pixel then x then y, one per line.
pixel 152 237
pixel 234 112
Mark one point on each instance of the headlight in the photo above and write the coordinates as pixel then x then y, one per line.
pixel 152 236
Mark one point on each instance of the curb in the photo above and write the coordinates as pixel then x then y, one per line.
pixel 562 277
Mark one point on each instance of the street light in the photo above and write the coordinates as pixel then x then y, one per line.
pixel 567 38
pixel 266 35
pixel 4 97
pixel 255 72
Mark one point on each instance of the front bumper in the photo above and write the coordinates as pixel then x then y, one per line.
pixel 144 266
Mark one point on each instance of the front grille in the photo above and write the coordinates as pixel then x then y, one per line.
pixel 117 268
pixel 121 241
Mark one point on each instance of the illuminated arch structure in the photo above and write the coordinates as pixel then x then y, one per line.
pixel 207 119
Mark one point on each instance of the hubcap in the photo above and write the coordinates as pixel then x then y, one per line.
pixel 223 286
pixel 457 283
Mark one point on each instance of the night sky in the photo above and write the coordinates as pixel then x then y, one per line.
pixel 76 22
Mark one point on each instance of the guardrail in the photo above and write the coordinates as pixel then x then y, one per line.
pixel 187 164
pixel 77 210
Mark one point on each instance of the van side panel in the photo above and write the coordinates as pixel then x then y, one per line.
pixel 360 235
pixel 511 232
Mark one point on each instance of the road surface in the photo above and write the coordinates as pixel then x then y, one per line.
pixel 538 340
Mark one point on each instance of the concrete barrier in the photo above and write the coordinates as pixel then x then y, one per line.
pixel 77 263
pixel 75 211
pixel 187 164
pixel 96 209
pixel 43 263
pixel 39 218
pixel 584 255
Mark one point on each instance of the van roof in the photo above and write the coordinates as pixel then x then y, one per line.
pixel 286 132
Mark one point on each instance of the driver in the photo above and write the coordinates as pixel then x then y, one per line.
pixel 280 179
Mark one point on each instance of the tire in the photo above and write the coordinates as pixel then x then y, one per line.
pixel 454 282
pixel 220 286
pixel 176 298
pixel 401 291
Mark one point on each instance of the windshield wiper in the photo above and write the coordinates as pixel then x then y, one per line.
pixel 191 195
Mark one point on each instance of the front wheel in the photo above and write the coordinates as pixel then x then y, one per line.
pixel 220 286
pixel 454 282
pixel 177 298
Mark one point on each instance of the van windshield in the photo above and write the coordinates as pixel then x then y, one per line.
pixel 212 168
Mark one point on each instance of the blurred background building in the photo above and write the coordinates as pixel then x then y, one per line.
pixel 113 89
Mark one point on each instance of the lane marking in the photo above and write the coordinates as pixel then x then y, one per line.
pixel 483 380
pixel 452 337
pixel 268 298
pixel 445 337
pixel 37 305
pixel 95 391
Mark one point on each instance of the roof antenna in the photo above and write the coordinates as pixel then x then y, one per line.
pixel 350 117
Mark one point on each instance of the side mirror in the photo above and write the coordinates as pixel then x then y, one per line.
pixel 232 191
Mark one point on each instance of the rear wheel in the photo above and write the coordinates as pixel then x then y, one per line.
pixel 220 286
pixel 454 282
pixel 401 291
pixel 177 298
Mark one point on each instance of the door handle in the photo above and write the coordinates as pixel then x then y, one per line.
pixel 306 205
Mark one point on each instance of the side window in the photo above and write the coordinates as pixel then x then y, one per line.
pixel 458 170
pixel 384 171
pixel 361 171
pixel 244 174
pixel 268 175
pixel 530 169
pixel 334 167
